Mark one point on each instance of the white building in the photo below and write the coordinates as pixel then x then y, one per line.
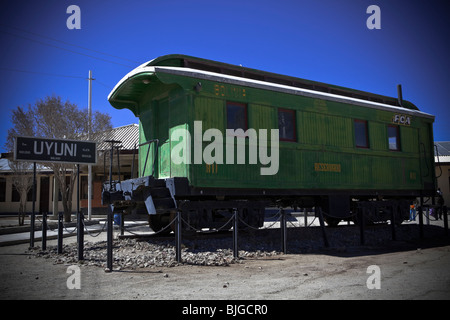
pixel 442 163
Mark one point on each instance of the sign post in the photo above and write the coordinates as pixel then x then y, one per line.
pixel 35 149
pixel 33 217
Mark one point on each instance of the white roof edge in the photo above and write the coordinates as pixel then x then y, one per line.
pixel 141 69
pixel 207 75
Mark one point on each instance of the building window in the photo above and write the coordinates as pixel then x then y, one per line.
pixel 237 116
pixel 361 134
pixel 394 138
pixel 2 189
pixel 449 178
pixel 286 125
pixel 15 197
pixel 59 188
pixel 84 188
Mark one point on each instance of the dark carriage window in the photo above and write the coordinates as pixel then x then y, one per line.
pixel 361 134
pixel 237 116
pixel 286 125
pixel 394 138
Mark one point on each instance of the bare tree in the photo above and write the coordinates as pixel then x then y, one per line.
pixel 23 182
pixel 52 118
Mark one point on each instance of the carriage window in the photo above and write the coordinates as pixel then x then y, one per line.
pixel 237 116
pixel 361 134
pixel 286 125
pixel 394 137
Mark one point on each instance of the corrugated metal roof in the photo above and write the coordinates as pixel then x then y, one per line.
pixel 443 152
pixel 128 135
pixel 443 148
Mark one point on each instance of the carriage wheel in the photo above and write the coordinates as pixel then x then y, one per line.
pixel 158 222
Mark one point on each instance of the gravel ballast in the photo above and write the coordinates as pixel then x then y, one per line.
pixel 216 250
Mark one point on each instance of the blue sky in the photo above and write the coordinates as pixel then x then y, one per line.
pixel 321 40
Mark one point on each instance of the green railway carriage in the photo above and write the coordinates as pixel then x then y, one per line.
pixel 335 146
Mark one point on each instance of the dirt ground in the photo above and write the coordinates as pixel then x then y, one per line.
pixel 408 270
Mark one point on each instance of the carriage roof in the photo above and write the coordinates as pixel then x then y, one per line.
pixel 127 92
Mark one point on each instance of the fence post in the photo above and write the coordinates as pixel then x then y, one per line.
pixel 122 224
pixel 44 230
pixel 80 235
pixel 60 232
pixel 283 231
pixel 394 209
pixel 361 216
pixel 305 218
pixel 235 234
pixel 109 240
pixel 33 216
pixel 421 218
pixel 80 224
pixel 178 236
pixel 444 215
pixel 322 226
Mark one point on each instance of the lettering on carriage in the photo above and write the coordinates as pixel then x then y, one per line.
pixel 231 92
pixel 401 119
pixel 219 90
pixel 328 167
pixel 211 168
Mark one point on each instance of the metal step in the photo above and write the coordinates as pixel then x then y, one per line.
pixel 163 203
pixel 159 183
pixel 160 192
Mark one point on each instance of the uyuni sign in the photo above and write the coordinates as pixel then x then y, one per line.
pixel 54 150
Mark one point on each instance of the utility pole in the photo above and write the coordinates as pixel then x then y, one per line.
pixel 89 138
